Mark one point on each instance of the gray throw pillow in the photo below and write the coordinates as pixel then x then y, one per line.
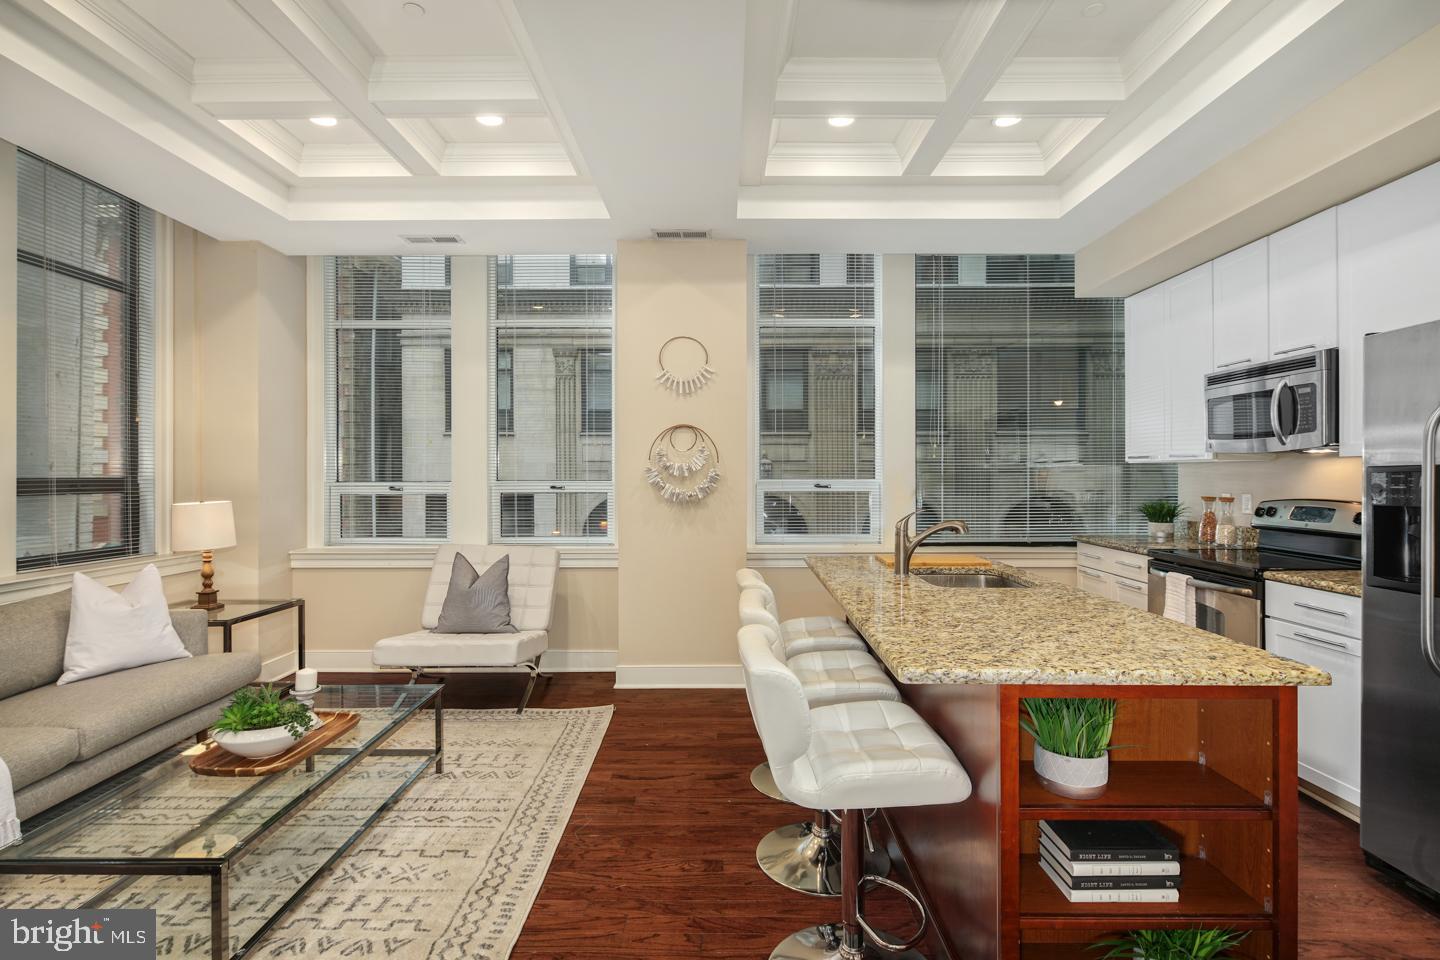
pixel 477 602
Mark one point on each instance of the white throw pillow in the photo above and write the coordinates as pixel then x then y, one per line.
pixel 112 631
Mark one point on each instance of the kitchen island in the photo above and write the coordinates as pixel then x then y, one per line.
pixel 1208 728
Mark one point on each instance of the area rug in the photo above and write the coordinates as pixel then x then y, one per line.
pixel 448 873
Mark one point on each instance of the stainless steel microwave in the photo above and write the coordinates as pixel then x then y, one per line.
pixel 1287 404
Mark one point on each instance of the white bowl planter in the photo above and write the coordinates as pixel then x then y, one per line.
pixel 257 744
pixel 1162 532
pixel 1074 777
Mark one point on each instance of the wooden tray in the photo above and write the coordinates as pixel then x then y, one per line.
pixel 936 560
pixel 216 761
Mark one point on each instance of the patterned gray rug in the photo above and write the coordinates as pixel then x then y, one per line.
pixel 449 873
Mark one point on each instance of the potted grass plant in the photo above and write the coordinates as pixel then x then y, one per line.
pixel 1161 516
pixel 1195 943
pixel 258 722
pixel 1072 743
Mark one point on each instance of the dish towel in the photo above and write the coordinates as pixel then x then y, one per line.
pixel 9 822
pixel 1180 598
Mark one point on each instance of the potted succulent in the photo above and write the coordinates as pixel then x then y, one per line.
pixel 1195 943
pixel 1162 515
pixel 258 722
pixel 1072 743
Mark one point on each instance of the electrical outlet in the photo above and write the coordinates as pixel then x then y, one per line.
pixel 1246 504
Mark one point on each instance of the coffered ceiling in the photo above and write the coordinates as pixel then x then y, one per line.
pixel 627 115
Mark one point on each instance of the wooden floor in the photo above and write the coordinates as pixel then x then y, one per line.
pixel 658 859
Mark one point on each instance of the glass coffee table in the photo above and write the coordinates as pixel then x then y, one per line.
pixel 223 858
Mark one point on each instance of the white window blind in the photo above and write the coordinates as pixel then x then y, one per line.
pixel 85 479
pixel 817 342
pixel 387 399
pixel 1020 403
pixel 552 395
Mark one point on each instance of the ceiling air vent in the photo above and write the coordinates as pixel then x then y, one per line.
pixel 681 234
pixel 437 238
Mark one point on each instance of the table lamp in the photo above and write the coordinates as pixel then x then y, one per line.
pixel 207 526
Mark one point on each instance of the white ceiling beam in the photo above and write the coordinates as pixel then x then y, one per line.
pixel 976 55
pixel 1058 79
pixel 453 86
pixel 544 87
pixel 326 49
pixel 768 30
pixel 258 90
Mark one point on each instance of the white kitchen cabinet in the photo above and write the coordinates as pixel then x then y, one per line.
pixel 1132 593
pixel 1328 718
pixel 1303 286
pixel 1389 278
pixel 1146 426
pixel 1113 574
pixel 1095 581
pixel 1189 334
pixel 1242 306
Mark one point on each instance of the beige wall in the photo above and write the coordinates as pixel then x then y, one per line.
pixel 9 330
pixel 1321 477
pixel 676 606
pixel 1381 124
pixel 347 610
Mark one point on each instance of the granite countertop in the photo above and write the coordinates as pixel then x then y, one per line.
pixel 1143 545
pixel 1048 633
pixel 1348 582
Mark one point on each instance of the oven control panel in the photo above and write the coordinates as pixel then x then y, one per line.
pixel 1324 516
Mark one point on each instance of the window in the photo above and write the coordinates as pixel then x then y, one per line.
pixel 552 448
pixel 85 480
pixel 387 399
pixel 817 334
pixel 1020 404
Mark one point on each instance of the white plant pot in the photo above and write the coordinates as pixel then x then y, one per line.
pixel 1072 777
pixel 257 744
pixel 1162 532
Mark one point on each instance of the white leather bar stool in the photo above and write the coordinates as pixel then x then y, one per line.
pixel 806 635
pixel 847 757
pixel 802 634
pixel 803 856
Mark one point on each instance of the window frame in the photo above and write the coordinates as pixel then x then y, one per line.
pixel 764 487
pixel 127 485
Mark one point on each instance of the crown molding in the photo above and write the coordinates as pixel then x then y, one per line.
pixel 506 160
pixel 125 25
pixel 1060 79
pixel 833 160
pixel 414 80
pixel 819 80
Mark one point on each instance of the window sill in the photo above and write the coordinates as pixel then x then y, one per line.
pixel 37 583
pixel 422 555
pixel 793 555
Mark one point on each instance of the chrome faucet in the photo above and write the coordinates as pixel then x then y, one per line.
pixel 905 545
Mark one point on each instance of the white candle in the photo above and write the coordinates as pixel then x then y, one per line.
pixel 305 679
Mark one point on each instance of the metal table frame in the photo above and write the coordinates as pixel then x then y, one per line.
pixel 217 868
pixel 227 624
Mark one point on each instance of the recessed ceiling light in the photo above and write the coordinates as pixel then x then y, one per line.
pixel 840 121
pixel 1005 121
pixel 413 10
pixel 489 120
pixel 324 121
pixel 1093 9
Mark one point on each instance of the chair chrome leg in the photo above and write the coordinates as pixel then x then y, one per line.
pixel 534 669
pixel 763 780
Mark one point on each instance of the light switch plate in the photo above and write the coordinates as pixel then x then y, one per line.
pixel 1246 504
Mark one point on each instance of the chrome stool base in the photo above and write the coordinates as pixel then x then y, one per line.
pixel 763 780
pixel 825 942
pixel 802 858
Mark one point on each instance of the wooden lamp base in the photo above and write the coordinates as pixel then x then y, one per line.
pixel 207 597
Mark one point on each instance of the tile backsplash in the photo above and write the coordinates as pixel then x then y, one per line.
pixel 1323 477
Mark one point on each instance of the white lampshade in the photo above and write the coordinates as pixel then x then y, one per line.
pixel 203 525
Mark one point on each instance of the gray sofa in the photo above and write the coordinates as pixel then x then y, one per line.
pixel 58 741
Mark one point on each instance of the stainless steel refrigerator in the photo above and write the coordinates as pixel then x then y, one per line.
pixel 1400 711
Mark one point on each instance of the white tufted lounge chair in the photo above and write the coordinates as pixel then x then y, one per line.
pixel 532 595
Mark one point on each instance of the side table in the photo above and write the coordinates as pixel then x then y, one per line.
pixel 239 611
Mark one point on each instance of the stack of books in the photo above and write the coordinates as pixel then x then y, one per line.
pixel 1110 861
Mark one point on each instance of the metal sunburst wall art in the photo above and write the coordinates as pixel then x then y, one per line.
pixel 684 383
pixel 684 464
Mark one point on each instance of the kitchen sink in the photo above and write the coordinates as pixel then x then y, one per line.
pixel 981 581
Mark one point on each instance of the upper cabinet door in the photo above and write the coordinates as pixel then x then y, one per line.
pixel 1145 372
pixel 1389 278
pixel 1242 306
pixel 1190 325
pixel 1303 281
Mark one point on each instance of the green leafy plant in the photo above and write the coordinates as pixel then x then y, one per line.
pixel 1162 511
pixel 1071 726
pixel 259 708
pixel 1196 943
